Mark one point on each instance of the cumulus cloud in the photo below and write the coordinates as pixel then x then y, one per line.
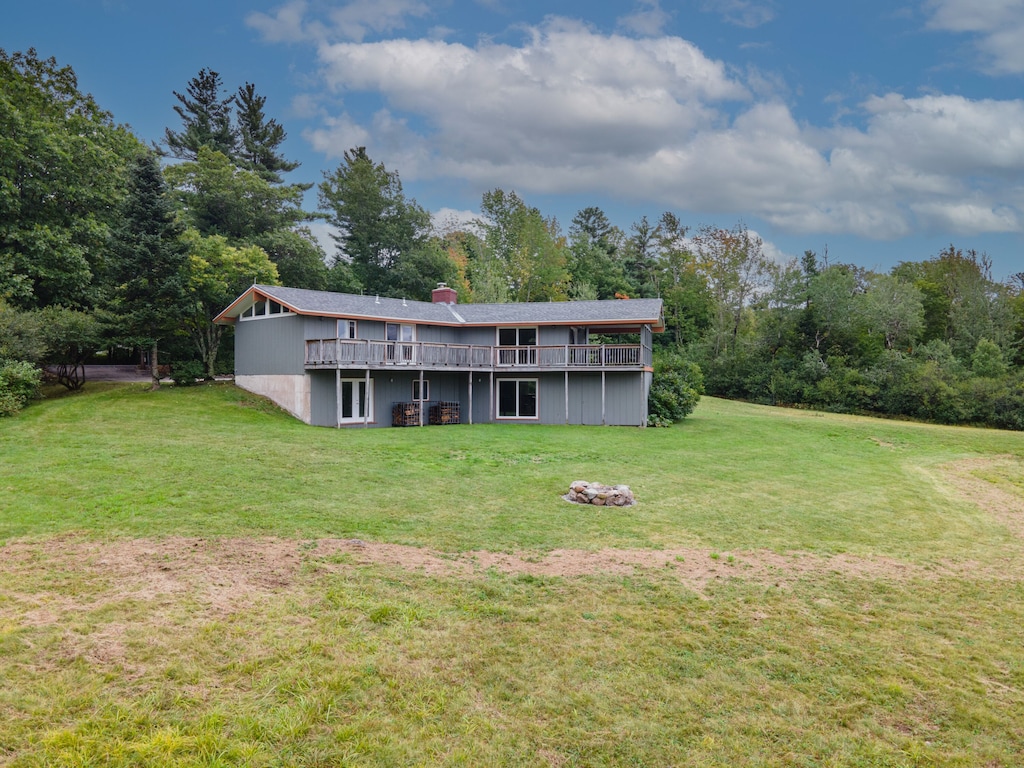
pixel 566 93
pixel 648 19
pixel 998 26
pixel 285 25
pixel 572 110
pixel 296 21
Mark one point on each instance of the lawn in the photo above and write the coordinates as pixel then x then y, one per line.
pixel 190 577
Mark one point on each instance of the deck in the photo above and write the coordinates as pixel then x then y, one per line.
pixel 368 353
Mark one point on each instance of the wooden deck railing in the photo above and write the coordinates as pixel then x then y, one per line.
pixel 367 352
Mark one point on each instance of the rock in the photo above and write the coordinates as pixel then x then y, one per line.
pixel 585 492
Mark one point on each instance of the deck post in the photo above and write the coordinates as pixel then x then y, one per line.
pixel 337 398
pixel 421 397
pixel 366 394
pixel 643 402
pixel 490 406
pixel 567 396
pixel 471 398
pixel 604 420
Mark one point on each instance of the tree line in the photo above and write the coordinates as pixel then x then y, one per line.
pixel 107 243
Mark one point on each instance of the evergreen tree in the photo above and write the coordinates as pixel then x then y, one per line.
pixel 378 225
pixel 206 115
pixel 260 138
pixel 149 259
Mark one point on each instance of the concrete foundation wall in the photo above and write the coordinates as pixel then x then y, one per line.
pixel 288 391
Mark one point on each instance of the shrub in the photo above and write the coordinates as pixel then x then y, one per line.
pixel 186 373
pixel 19 383
pixel 675 390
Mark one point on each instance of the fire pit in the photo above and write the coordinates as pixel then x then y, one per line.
pixel 583 492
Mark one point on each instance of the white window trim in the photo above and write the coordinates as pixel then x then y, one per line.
pixel 400 340
pixel 266 314
pixel 354 419
pixel 497 403
pixel 345 325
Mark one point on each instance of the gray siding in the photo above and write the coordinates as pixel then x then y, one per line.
pixel 270 346
pixel 323 410
pixel 625 396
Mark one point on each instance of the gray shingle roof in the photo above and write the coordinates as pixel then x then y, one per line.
pixel 307 302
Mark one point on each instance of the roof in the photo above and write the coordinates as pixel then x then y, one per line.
pixel 326 304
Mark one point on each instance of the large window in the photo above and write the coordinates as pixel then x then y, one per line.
pixel 356 401
pixel 517 398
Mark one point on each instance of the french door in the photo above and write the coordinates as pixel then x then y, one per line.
pixel 354 401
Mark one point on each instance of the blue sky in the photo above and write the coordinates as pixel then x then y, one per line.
pixel 882 131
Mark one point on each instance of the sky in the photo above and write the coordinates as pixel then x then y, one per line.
pixel 874 132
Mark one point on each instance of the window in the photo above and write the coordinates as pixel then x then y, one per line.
pixel 425 394
pixel 355 401
pixel 517 398
pixel 402 349
pixel 346 329
pixel 517 337
pixel 262 307
pixel 400 332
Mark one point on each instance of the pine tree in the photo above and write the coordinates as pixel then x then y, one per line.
pixel 206 117
pixel 259 138
pixel 148 259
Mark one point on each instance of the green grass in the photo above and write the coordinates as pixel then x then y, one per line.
pixel 130 636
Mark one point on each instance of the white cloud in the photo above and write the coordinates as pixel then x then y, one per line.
pixel 742 13
pixel 566 93
pixel 997 24
pixel 286 25
pixel 648 19
pixel 296 22
pixel 453 220
pixel 570 110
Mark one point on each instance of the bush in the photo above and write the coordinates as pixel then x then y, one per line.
pixel 675 390
pixel 19 383
pixel 185 374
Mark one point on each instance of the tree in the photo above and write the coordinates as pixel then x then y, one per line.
pixel 894 310
pixel 218 198
pixel 216 274
pixel 62 169
pixel 206 115
pixel 962 304
pixel 259 138
pixel 377 224
pixel 298 257
pixel 733 263
pixel 640 259
pixel 71 337
pixel 527 249
pixel 148 300
pixel 595 248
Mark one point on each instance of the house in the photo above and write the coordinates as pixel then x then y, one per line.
pixel 335 359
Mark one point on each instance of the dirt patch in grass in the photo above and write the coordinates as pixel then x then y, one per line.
pixel 52 579
pixel 994 484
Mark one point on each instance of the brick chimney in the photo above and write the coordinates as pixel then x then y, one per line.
pixel 444 295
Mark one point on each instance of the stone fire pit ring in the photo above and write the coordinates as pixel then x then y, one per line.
pixel 598 495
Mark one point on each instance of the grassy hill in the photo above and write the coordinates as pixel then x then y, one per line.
pixel 190 577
